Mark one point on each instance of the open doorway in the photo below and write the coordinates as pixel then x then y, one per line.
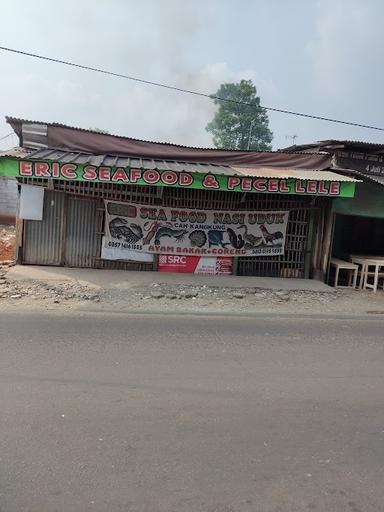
pixel 358 235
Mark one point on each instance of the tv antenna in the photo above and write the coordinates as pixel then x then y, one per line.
pixel 293 137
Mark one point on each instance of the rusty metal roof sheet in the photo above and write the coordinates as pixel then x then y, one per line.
pixel 376 179
pixel 37 135
pixel 16 152
pixel 334 144
pixel 270 172
pixel 347 142
pixel 17 123
pixel 370 177
pixel 14 121
pixel 134 163
pixel 179 166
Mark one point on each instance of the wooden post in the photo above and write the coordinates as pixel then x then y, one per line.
pixel 19 225
pixel 327 243
pixel 19 240
pixel 317 245
pixel 308 252
pixel 235 266
pixel 155 262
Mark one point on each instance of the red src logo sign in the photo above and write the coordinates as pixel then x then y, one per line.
pixel 172 260
pixel 195 264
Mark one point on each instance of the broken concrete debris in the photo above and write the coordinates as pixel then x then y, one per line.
pixel 172 297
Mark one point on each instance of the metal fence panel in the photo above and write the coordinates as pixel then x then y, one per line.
pixel 81 228
pixel 85 251
pixel 289 264
pixel 43 239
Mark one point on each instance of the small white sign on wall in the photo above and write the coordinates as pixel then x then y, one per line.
pixel 115 253
pixel 31 203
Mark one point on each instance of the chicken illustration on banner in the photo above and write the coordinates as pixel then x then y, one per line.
pixel 151 230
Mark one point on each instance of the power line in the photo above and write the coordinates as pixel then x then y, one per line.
pixel 188 91
pixel 6 136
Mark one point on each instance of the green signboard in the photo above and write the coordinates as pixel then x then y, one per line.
pixel 168 178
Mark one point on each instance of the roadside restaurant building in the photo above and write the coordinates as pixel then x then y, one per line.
pixel 90 199
pixel 358 222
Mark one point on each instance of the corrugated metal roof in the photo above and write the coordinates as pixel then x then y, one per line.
pixel 12 120
pixel 370 177
pixel 178 166
pixel 17 152
pixel 351 142
pixel 376 179
pixel 334 144
pixel 269 172
pixel 134 163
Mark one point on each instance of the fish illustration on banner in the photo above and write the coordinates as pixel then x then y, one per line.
pixel 134 228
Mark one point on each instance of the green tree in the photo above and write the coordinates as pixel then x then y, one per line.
pixel 237 126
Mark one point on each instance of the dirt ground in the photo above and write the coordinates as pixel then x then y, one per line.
pixel 166 298
pixel 7 242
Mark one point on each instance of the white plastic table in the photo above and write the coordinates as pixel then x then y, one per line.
pixel 376 264
pixel 367 261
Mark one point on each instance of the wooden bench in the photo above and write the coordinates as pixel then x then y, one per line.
pixel 344 265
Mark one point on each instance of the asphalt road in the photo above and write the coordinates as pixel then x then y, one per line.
pixel 175 414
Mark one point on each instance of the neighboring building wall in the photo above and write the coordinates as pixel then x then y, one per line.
pixel 368 201
pixel 8 200
pixel 359 225
pixel 358 235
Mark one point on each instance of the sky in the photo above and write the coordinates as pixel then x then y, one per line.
pixel 320 57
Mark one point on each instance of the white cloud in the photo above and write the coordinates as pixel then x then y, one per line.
pixel 155 41
pixel 328 62
pixel 170 116
pixel 347 48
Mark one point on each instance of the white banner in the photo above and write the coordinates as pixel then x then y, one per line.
pixel 132 229
pixel 108 252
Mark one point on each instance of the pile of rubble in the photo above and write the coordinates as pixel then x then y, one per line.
pixel 55 293
pixel 180 298
pixel 7 244
pixel 209 297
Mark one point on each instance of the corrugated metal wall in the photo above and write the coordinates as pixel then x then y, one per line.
pixel 82 221
pixel 70 234
pixel 81 228
pixel 43 240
